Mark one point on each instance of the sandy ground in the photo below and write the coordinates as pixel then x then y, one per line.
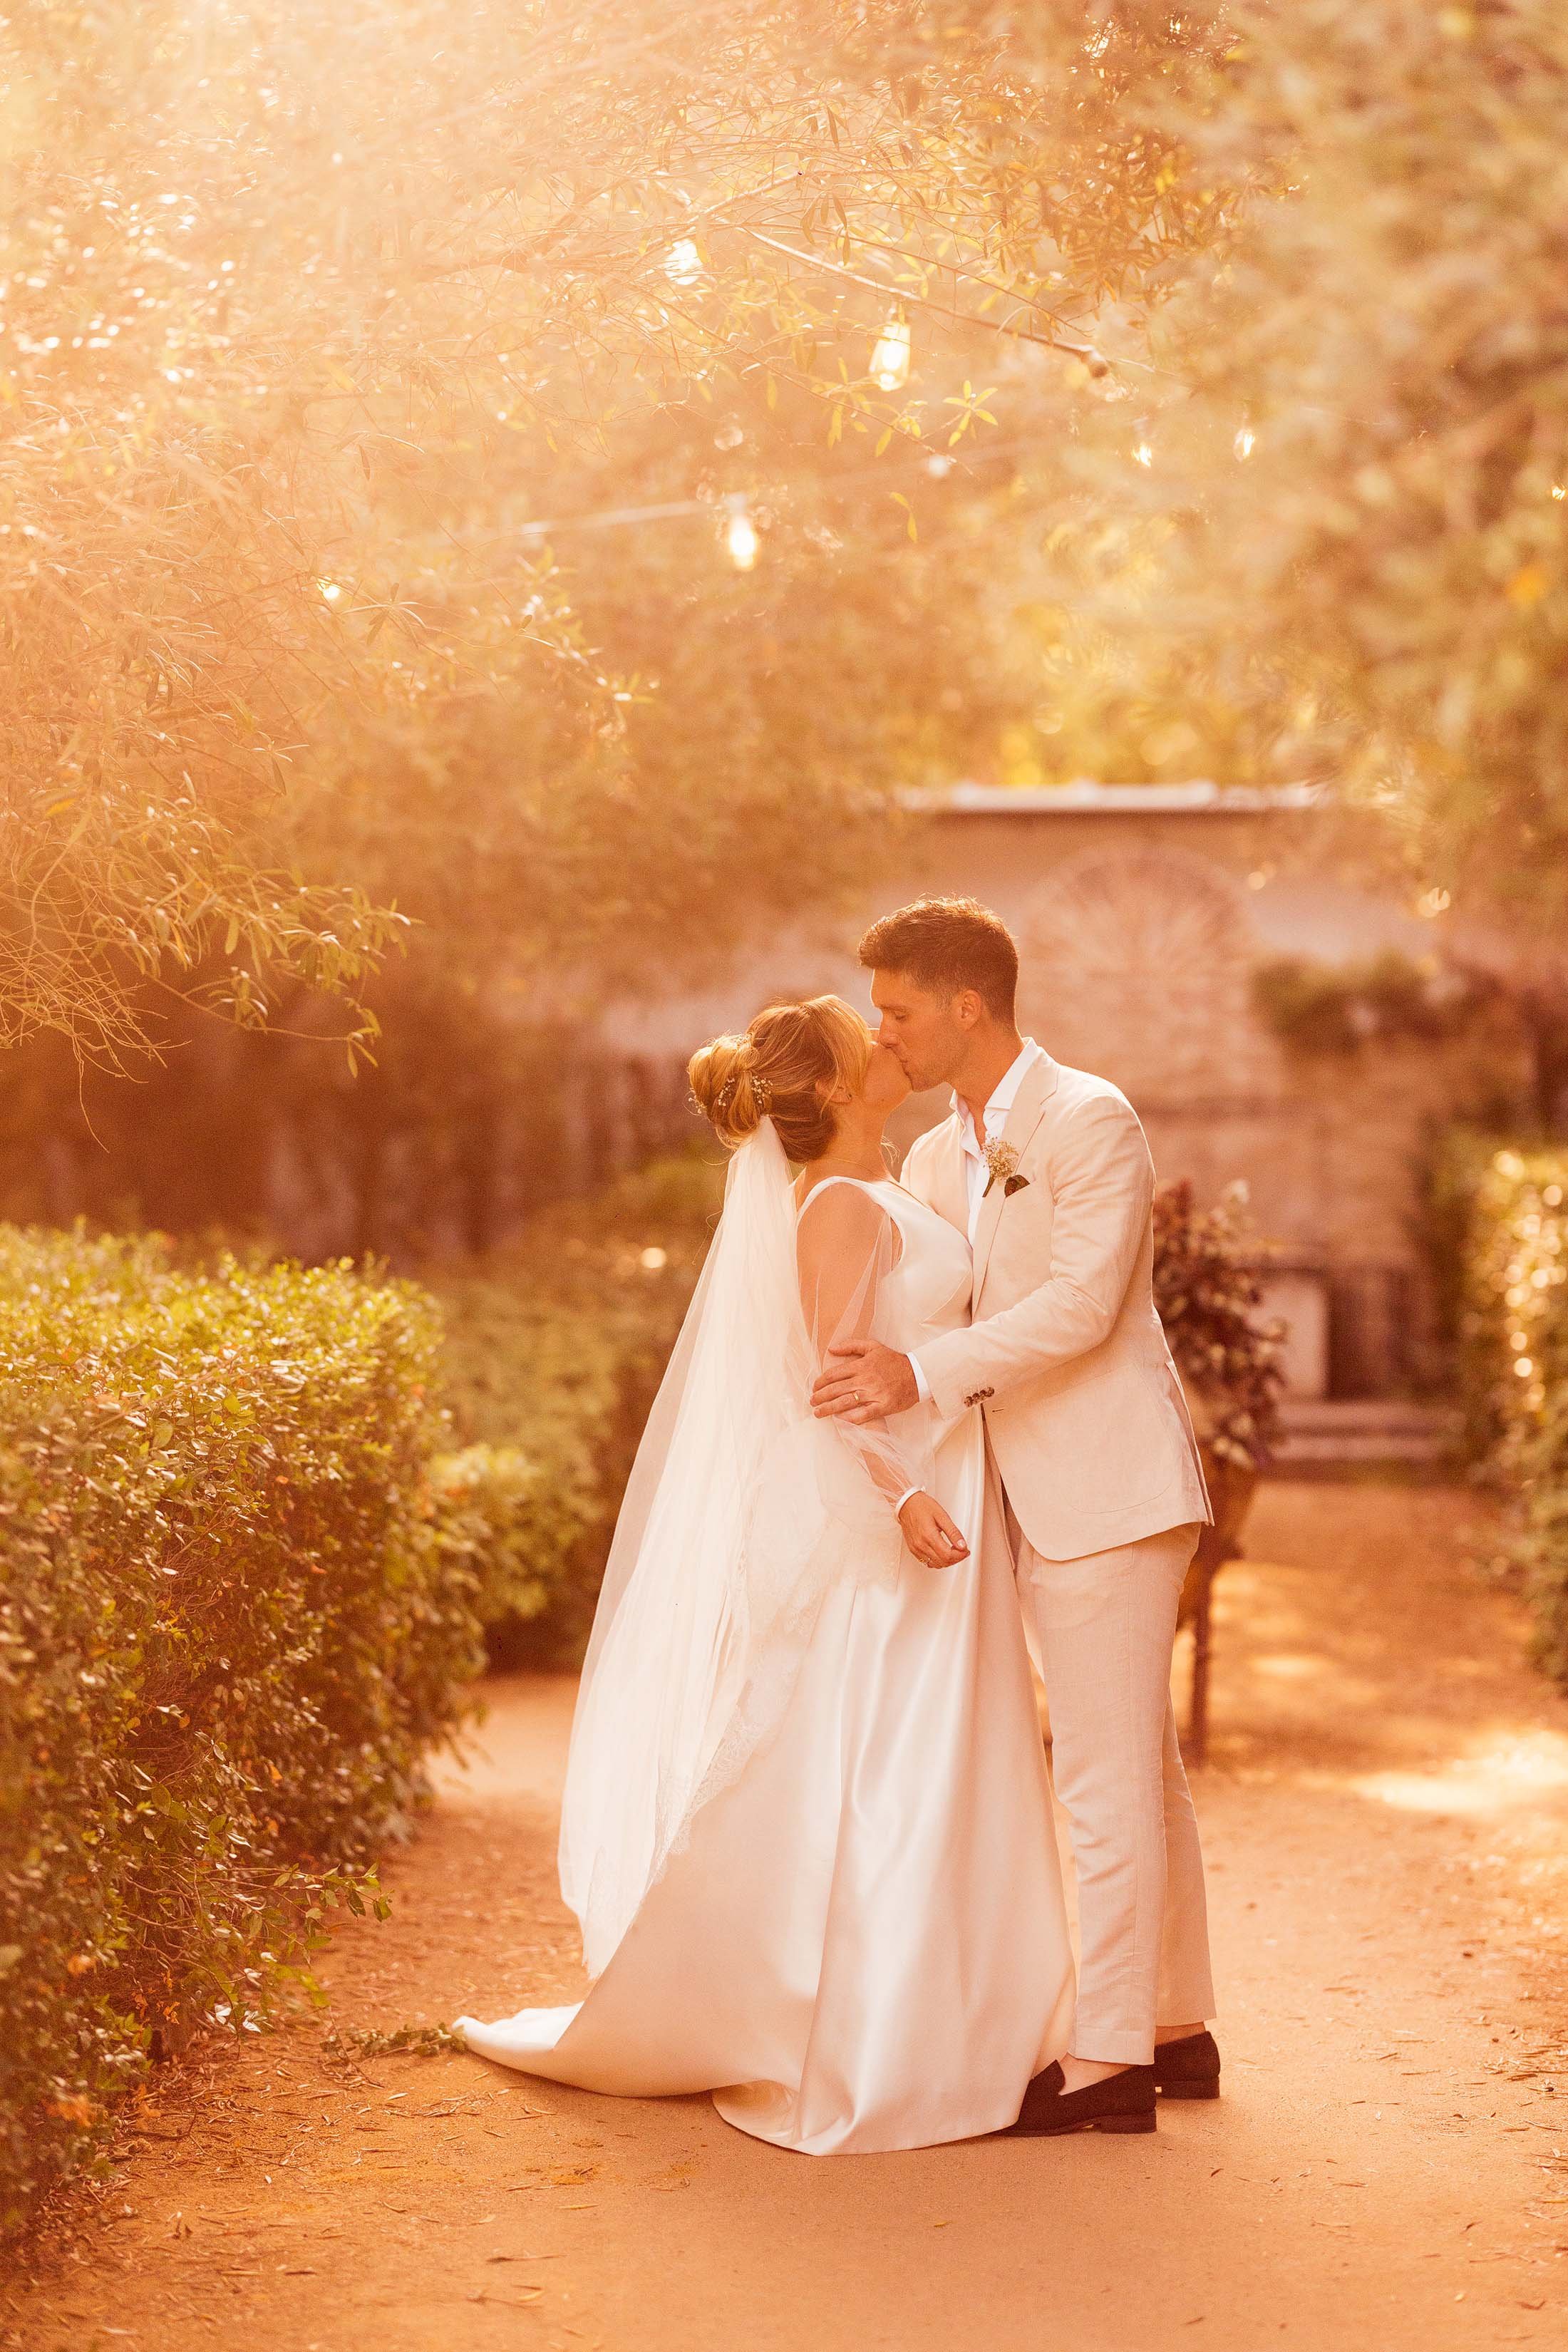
pixel 1386 1813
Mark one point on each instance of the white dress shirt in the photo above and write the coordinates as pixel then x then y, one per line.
pixel 974 1169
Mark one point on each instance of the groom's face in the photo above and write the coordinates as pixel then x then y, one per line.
pixel 925 1031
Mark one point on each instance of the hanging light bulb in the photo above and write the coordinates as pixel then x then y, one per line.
pixel 740 536
pixel 890 359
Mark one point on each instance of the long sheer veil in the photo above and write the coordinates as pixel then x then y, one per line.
pixel 741 1512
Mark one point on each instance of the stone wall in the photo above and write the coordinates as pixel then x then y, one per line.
pixel 1139 935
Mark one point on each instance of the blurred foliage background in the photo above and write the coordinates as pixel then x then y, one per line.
pixel 1118 390
pixel 1505 1211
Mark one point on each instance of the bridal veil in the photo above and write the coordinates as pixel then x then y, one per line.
pixel 741 1511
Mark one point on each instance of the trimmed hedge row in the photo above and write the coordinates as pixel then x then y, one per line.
pixel 231 1622
pixel 1513 1352
pixel 245 1575
pixel 554 1348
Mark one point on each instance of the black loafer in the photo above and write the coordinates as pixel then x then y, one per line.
pixel 1121 2103
pixel 1188 2069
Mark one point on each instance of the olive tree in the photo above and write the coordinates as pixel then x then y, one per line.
pixel 314 318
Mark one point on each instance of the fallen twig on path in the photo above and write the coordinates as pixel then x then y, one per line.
pixel 416 2040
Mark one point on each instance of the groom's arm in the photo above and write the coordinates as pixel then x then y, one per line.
pixel 1102 1185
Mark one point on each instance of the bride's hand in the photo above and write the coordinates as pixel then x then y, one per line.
pixel 930 1534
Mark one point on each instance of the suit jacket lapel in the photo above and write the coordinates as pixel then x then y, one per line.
pixel 1028 1108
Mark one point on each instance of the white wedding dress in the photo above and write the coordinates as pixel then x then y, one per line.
pixel 807 1828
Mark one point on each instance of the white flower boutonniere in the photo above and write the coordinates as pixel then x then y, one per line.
pixel 1002 1161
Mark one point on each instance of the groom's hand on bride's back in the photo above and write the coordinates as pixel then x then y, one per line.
pixel 930 1534
pixel 863 1381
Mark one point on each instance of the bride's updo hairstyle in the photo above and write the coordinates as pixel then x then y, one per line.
pixel 784 1068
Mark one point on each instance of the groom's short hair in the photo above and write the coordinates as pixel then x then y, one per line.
pixel 946 944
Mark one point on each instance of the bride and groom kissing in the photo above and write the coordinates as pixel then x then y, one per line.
pixel 913 1434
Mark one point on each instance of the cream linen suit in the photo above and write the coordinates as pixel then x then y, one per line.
pixel 1089 1429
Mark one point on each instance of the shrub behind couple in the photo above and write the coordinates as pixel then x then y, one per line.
pixel 808 1828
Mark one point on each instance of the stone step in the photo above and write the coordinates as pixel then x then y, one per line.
pixel 1362 1429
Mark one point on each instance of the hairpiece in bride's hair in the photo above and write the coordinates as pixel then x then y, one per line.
pixel 762 1091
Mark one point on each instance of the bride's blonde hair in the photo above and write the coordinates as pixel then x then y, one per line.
pixel 782 1068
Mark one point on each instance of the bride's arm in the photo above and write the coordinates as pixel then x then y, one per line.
pixel 845 1248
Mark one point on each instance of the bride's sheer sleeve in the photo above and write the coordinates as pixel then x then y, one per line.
pixel 845 1247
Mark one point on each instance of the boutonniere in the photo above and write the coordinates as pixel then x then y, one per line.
pixel 1002 1159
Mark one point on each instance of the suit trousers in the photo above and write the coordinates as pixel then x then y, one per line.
pixel 1103 1628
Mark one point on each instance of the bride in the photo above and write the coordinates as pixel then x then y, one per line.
pixel 806 1830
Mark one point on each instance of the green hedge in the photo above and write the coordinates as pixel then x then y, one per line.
pixel 231 1622
pixel 553 1351
pixel 1511 1206
pixel 1338 1008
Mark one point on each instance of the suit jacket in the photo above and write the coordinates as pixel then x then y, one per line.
pixel 1066 1354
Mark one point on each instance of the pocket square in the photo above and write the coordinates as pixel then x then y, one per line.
pixel 1014 1185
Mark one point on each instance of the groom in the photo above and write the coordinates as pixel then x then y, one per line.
pixel 1046 1170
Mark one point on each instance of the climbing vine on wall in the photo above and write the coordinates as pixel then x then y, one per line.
pixel 1338 1008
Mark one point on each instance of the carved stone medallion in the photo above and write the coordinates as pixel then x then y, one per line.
pixel 1136 965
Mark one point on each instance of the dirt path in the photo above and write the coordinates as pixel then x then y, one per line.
pixel 1387 1820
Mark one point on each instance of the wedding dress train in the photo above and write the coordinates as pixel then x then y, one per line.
pixel 807 1829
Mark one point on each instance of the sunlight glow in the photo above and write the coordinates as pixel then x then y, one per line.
pixel 683 262
pixel 740 538
pixel 890 359
pixel 1518 1771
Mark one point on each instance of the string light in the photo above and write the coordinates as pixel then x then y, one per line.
pixel 741 533
pixel 938 464
pixel 1245 442
pixel 890 359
